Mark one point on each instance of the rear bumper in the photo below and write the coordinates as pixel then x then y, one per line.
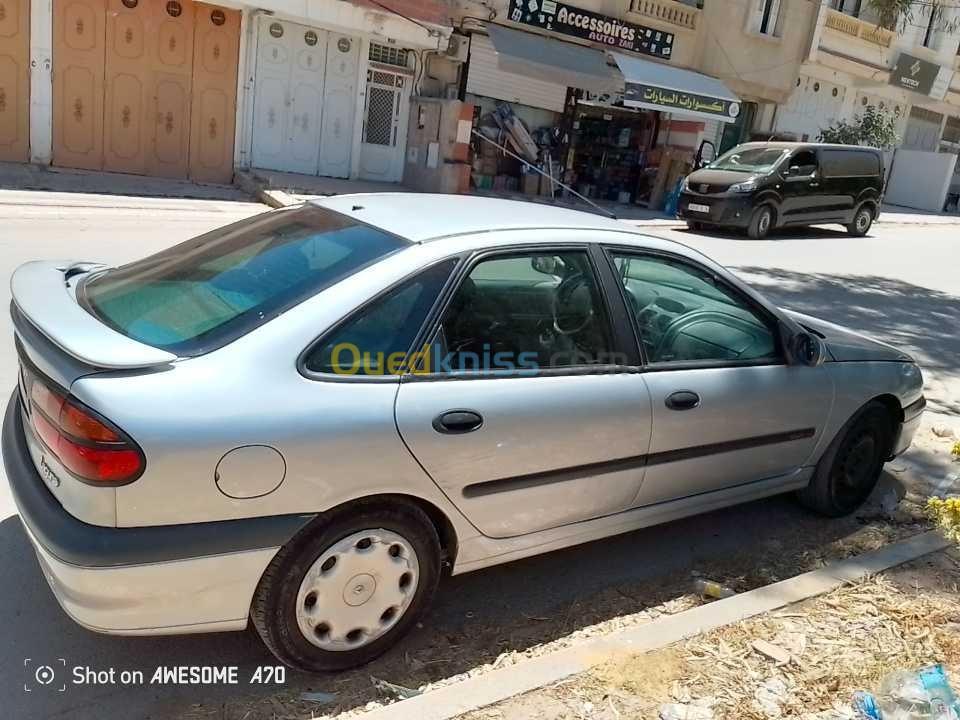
pixel 724 210
pixel 166 579
pixel 912 415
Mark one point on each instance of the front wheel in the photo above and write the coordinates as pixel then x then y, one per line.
pixel 344 593
pixel 695 225
pixel 860 225
pixel 760 223
pixel 850 468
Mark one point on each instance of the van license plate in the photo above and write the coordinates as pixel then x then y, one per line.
pixel 694 207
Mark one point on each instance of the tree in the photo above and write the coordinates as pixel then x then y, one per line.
pixel 899 14
pixel 875 127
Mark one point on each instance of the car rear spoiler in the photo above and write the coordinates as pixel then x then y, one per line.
pixel 42 292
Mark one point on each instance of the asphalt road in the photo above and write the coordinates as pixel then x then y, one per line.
pixel 900 284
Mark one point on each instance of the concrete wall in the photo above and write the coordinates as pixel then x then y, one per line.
pixel 437 146
pixel 756 67
pixel 920 179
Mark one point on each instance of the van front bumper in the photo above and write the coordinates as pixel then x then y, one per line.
pixel 169 579
pixel 726 210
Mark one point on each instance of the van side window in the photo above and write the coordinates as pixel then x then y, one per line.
pixel 850 163
pixel 806 160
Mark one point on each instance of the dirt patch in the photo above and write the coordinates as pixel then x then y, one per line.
pixel 832 646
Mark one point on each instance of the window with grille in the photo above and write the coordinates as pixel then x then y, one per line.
pixel 388 55
pixel 951 133
pixel 379 126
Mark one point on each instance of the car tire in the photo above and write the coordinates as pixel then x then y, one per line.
pixel 296 592
pixel 695 225
pixel 862 220
pixel 761 222
pixel 850 468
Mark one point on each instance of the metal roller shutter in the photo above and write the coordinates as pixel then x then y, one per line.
pixel 484 77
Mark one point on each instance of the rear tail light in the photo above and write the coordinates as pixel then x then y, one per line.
pixel 89 447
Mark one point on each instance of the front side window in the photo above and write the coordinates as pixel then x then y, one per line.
pixel 805 163
pixel 377 339
pixel 208 291
pixel 749 160
pixel 683 314
pixel 525 312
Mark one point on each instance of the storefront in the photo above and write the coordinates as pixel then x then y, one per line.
pixel 615 127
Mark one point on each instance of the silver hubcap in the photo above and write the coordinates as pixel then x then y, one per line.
pixel 764 223
pixel 357 590
pixel 863 219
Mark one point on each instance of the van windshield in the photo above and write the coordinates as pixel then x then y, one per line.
pixel 751 160
pixel 208 291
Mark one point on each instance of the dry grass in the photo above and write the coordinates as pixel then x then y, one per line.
pixel 837 644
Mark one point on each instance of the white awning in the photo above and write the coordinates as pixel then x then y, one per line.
pixel 550 60
pixel 657 86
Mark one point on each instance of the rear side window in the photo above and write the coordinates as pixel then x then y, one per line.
pixel 849 163
pixel 208 291
pixel 375 341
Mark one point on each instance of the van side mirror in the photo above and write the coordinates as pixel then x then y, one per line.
pixel 793 170
pixel 807 349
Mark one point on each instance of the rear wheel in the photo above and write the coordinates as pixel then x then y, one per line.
pixel 848 471
pixel 862 220
pixel 761 223
pixel 343 594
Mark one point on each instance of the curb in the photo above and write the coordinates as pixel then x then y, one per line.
pixel 474 693
pixel 252 185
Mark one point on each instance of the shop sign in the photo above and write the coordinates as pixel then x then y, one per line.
pixel 656 98
pixel 921 76
pixel 561 18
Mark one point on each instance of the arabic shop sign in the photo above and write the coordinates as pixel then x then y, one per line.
pixel 561 18
pixel 704 106
pixel 920 76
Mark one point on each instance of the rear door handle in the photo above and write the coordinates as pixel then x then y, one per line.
pixel 814 184
pixel 683 400
pixel 457 422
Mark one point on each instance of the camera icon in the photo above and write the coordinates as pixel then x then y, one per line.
pixel 41 675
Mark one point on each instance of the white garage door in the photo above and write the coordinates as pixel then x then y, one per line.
pixel 485 78
pixel 306 86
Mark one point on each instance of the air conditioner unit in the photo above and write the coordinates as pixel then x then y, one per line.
pixel 458 48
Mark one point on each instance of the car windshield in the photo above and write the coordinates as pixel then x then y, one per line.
pixel 208 291
pixel 751 160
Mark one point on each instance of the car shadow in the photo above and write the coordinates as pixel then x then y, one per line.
pixel 919 320
pixel 804 232
pixel 477 616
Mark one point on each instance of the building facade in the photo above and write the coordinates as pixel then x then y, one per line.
pixel 852 63
pixel 194 90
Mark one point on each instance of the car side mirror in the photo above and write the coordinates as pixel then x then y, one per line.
pixel 793 170
pixel 807 349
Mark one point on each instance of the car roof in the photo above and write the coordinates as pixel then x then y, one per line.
pixel 426 216
pixel 776 145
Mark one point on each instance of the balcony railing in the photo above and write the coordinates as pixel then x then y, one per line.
pixel 670 12
pixel 855 27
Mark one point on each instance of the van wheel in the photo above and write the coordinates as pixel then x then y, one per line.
pixel 695 225
pixel 849 469
pixel 862 221
pixel 345 590
pixel 760 223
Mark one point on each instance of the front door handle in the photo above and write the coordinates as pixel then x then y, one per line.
pixel 683 400
pixel 814 184
pixel 457 422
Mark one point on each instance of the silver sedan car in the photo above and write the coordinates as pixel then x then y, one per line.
pixel 306 418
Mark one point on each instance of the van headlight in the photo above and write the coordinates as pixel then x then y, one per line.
pixel 744 187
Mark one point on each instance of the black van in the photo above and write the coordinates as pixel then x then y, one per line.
pixel 762 186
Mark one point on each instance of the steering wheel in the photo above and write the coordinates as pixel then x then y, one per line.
pixel 563 301
pixel 684 321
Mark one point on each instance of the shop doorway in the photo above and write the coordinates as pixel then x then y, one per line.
pixel 15 81
pixel 384 125
pixel 305 98
pixel 923 130
pixel 147 88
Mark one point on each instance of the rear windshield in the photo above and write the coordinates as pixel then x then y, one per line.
pixel 208 291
